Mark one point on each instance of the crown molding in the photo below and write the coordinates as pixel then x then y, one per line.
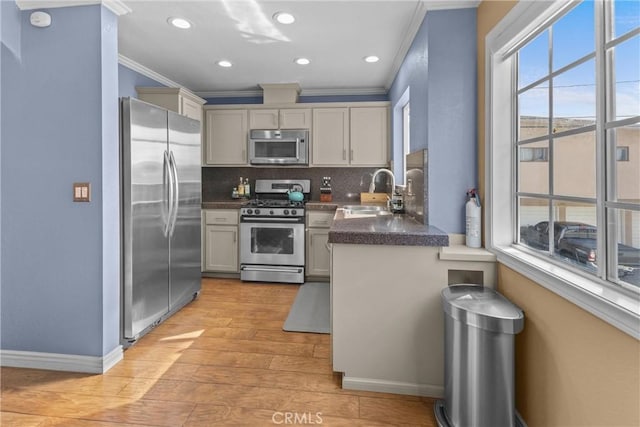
pixel 133 65
pixel 407 40
pixel 422 8
pixel 304 92
pixel 344 92
pixel 116 6
pixel 444 4
pixel 229 93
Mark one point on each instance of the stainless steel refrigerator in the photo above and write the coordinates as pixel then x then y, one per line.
pixel 161 201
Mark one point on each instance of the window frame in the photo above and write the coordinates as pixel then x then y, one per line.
pixel 401 136
pixel 616 305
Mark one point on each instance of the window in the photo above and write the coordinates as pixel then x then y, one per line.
pixel 622 154
pixel 567 164
pixel 401 136
pixel 406 140
pixel 534 154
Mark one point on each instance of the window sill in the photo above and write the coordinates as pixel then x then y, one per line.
pixel 613 306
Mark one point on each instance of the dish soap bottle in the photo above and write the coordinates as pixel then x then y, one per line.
pixel 241 188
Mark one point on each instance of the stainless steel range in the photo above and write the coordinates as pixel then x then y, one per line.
pixel 272 230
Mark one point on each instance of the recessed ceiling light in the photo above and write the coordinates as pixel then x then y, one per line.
pixel 284 18
pixel 302 61
pixel 181 23
pixel 224 63
pixel 371 58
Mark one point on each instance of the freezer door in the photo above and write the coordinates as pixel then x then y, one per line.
pixel 185 230
pixel 145 216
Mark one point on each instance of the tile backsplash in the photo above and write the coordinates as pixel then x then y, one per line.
pixel 415 192
pixel 347 182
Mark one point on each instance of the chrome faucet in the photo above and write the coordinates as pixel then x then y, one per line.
pixel 395 202
pixel 372 187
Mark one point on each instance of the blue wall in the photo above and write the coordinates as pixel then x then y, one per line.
pixel 60 275
pixel 440 72
pixel 128 79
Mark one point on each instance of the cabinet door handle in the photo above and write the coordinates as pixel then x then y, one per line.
pixel 352 154
pixel 235 236
pixel 244 154
pixel 344 154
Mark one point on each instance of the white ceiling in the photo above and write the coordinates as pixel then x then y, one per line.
pixel 334 34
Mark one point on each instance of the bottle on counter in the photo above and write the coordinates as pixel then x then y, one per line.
pixel 234 193
pixel 241 188
pixel 247 188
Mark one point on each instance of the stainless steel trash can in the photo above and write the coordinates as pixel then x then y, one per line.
pixel 480 326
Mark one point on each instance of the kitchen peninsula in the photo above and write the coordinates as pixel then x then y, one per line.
pixel 387 274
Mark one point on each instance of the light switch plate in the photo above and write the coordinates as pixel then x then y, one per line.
pixel 81 192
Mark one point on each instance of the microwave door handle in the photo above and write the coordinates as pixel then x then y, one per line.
pixel 297 148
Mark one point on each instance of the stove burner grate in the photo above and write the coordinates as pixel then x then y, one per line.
pixel 272 203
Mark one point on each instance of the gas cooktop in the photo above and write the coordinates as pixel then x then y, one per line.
pixel 272 208
pixel 272 203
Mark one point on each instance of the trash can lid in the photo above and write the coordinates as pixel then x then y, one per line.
pixel 483 308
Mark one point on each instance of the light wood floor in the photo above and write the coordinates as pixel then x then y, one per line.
pixel 221 360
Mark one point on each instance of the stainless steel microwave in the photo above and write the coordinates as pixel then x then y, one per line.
pixel 279 147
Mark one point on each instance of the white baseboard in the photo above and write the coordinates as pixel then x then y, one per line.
pixel 396 387
pixel 61 362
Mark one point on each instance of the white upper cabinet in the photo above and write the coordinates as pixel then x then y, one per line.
pixel 295 118
pixel 355 136
pixel 226 137
pixel 369 136
pixel 263 119
pixel 175 99
pixel 341 134
pixel 330 140
pixel 290 118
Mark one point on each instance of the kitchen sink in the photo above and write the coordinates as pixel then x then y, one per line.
pixel 362 211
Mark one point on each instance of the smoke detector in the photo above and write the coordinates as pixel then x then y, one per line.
pixel 40 19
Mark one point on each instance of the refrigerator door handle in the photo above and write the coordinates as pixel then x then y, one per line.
pixel 173 218
pixel 167 211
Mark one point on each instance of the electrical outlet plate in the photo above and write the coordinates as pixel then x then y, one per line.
pixel 81 192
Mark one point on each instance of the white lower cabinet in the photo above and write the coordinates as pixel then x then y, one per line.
pixel 220 239
pixel 318 252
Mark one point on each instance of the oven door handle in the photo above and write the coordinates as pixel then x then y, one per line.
pixel 273 269
pixel 272 220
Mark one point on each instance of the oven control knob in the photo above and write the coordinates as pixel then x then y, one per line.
pixel 286 212
pixel 271 212
pixel 257 211
pixel 249 211
pixel 293 212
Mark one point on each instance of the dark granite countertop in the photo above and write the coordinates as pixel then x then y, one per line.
pixel 224 204
pixel 397 229
pixel 313 205
pixel 321 206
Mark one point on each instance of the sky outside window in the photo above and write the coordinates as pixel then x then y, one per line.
pixel 573 38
